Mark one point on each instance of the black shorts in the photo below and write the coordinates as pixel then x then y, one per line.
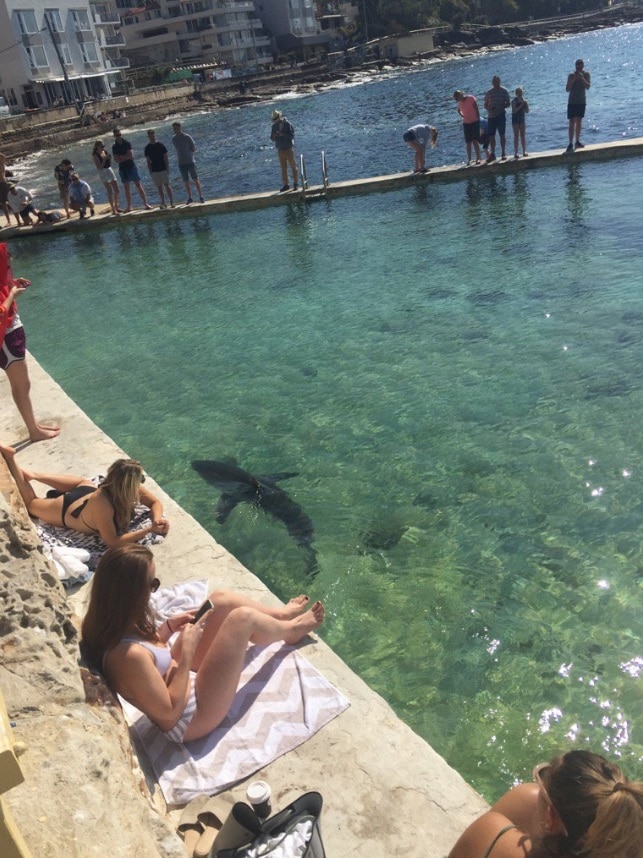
pixel 497 123
pixel 471 131
pixel 575 111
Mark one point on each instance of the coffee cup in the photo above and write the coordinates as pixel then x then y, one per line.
pixel 258 794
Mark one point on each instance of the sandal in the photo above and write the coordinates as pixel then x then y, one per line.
pixel 211 817
pixel 189 827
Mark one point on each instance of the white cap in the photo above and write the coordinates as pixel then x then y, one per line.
pixel 258 792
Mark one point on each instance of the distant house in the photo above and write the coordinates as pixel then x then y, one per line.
pixel 294 28
pixel 406 47
pixel 67 54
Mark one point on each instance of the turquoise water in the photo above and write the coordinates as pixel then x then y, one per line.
pixel 455 374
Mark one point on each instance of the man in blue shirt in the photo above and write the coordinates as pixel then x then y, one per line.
pixel 80 196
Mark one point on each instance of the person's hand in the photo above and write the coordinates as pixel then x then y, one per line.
pixel 160 526
pixel 191 637
pixel 178 622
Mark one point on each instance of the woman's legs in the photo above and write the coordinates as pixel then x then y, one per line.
pixel 18 376
pixel 218 674
pixel 47 509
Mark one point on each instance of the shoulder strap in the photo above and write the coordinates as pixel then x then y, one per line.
pixel 497 838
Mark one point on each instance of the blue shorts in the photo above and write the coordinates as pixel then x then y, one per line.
pixel 128 172
pixel 497 123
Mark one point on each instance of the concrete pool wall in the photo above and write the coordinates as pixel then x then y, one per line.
pixel 386 791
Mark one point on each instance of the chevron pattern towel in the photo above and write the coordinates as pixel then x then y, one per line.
pixel 281 702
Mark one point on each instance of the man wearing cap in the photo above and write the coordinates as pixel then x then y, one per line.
pixel 282 135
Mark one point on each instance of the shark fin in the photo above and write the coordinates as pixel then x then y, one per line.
pixel 227 503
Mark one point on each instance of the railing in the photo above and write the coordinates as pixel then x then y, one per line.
pixel 104 21
pixel 117 62
pixel 324 168
pixel 113 41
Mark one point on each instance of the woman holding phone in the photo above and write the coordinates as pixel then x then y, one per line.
pixel 13 348
pixel 185 687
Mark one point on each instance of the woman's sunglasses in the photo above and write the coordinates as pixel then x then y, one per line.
pixel 538 772
pixel 154 584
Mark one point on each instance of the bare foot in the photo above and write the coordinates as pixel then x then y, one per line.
pixel 44 433
pixel 148 206
pixel 294 608
pixel 308 622
pixel 7 451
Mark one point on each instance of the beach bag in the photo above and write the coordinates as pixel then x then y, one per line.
pixel 294 832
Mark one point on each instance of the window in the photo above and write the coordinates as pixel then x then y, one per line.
pixel 26 21
pixel 37 56
pixel 81 19
pixel 88 50
pixel 52 17
pixel 64 50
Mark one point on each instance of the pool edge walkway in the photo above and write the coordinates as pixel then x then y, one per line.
pixel 267 199
pixel 386 791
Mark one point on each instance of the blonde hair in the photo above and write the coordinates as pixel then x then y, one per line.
pixel 600 808
pixel 122 486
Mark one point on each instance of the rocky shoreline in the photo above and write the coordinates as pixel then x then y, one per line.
pixel 51 128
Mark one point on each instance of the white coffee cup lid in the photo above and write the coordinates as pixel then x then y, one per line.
pixel 258 791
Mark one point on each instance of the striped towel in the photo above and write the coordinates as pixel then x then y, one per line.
pixel 282 701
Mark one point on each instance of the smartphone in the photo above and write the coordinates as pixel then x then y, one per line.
pixel 206 606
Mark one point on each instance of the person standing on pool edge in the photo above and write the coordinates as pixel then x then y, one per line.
pixel 496 101
pixel 577 86
pixel 185 149
pixel 127 169
pixel 283 135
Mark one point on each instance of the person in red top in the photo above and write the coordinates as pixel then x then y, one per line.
pixel 468 110
pixel 13 348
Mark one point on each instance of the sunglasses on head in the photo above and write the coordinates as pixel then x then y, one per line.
pixel 538 773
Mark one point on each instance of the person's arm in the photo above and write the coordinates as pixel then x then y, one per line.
pixel 135 676
pixel 476 108
pixel 103 516
pixel 586 79
pixel 192 144
pixel 161 525
pixel 525 104
pixel 570 81
pixel 16 290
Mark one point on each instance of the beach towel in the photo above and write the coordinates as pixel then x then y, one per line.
pixel 75 555
pixel 282 701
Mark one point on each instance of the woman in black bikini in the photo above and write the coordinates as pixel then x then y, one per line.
pixel 580 804
pixel 78 504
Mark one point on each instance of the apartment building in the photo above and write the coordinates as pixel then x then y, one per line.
pixel 294 27
pixel 193 33
pixel 58 51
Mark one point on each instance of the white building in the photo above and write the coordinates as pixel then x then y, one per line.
pixel 193 33
pixel 68 52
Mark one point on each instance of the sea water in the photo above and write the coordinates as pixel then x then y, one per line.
pixel 453 371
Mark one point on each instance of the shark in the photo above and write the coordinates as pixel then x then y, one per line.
pixel 261 491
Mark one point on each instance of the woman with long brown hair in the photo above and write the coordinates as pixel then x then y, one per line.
pixel 77 503
pixel 579 805
pixel 186 688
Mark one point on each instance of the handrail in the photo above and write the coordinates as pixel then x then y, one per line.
pixel 302 172
pixel 324 167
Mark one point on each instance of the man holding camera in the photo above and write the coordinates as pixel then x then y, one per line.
pixel 577 86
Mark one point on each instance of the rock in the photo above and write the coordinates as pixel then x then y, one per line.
pixel 80 775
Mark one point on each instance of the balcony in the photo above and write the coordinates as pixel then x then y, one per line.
pixel 107 19
pixel 117 63
pixel 114 41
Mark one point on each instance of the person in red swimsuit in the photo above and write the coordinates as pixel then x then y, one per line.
pixel 13 348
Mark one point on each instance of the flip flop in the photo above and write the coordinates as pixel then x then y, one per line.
pixel 211 818
pixel 189 827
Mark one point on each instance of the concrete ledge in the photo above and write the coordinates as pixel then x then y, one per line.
pixel 386 791
pixel 268 199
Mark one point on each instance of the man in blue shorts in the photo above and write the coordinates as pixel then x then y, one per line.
pixel 127 170
pixel 496 101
